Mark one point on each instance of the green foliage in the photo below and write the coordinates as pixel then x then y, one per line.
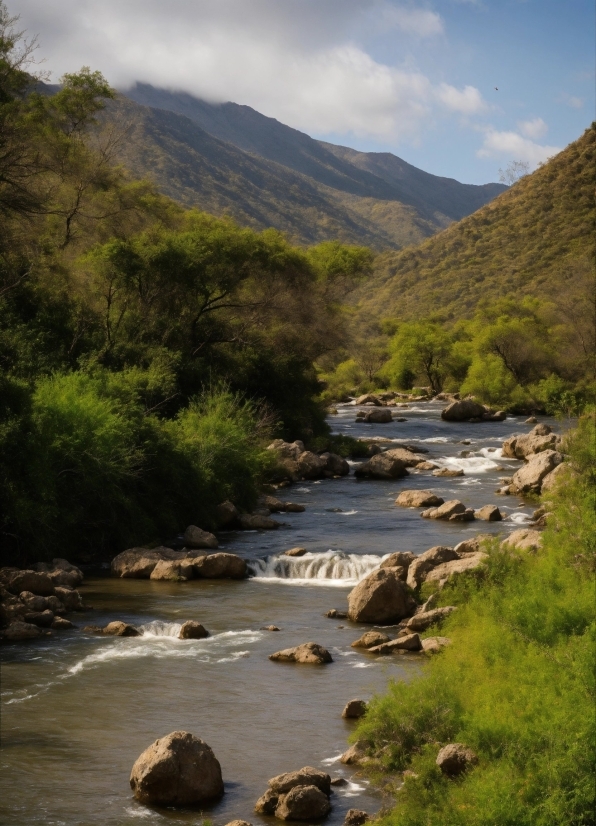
pixel 345 446
pixel 516 685
pixel 420 348
pixel 87 471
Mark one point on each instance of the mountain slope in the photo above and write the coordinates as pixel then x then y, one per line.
pixel 532 239
pixel 385 198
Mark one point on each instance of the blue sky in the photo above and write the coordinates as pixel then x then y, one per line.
pixel 413 78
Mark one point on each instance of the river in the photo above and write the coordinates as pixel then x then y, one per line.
pixel 77 710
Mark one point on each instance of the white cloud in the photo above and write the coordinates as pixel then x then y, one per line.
pixel 468 101
pixel 533 129
pixel 301 61
pixel 514 146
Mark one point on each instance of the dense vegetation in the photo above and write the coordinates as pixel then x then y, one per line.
pixel 516 685
pixel 501 305
pixel 146 352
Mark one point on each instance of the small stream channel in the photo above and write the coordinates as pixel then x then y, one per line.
pixel 77 710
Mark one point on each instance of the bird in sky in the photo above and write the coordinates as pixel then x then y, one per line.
pixel 496 88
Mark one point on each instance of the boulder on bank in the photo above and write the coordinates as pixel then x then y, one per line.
pixel 354 709
pixel 226 514
pixel 256 522
pixel 557 476
pixel 463 411
pixel 399 559
pixel 442 573
pixel 197 538
pixel 381 597
pixel 538 439
pixel 299 795
pixel 275 505
pixel 287 450
pixel 356 754
pixel 455 759
pixel 406 642
pixel 16 580
pixel 369 639
pixel 420 622
pixel 307 652
pixel 20 630
pixel 62 572
pixel 191 630
pixel 529 478
pixel 432 645
pixel 419 499
pixel 311 465
pixel 43 619
pixel 422 565
pixel 382 466
pixel 177 770
pixel 524 539
pixel 355 817
pixel 220 566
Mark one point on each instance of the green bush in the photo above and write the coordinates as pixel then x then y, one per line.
pixel 516 685
pixel 88 472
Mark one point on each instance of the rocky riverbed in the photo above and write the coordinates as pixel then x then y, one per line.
pixel 80 707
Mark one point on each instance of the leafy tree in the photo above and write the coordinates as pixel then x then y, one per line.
pixel 423 348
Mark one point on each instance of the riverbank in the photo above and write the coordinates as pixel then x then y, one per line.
pixel 79 709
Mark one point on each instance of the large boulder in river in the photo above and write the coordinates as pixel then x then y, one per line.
pixel 307 776
pixel 445 511
pixel 335 465
pixel 419 499
pixel 18 631
pixel 529 477
pixel 380 597
pixel 303 803
pixel 192 630
pixel 369 639
pixel 538 439
pixel 408 457
pixel 171 570
pixel 197 538
pixel 311 466
pixel 378 415
pixel 307 652
pixel 382 466
pixel 220 566
pixel 463 411
pixel 138 563
pixel 177 770
pixel 421 566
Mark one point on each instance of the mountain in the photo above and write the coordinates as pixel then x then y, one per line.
pixel 535 239
pixel 230 159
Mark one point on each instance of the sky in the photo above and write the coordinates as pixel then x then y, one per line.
pixel 459 88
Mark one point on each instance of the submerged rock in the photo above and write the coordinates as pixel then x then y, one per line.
pixel 177 770
pixel 303 803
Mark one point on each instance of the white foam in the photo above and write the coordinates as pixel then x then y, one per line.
pixel 520 518
pixel 303 490
pixel 469 465
pixel 167 646
pixel 329 760
pixel 333 568
pixel 349 513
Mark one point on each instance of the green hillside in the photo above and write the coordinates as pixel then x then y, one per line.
pixel 528 241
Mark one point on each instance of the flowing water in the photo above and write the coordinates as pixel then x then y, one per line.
pixel 77 710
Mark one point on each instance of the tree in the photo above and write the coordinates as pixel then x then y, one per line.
pixel 513 172
pixel 423 348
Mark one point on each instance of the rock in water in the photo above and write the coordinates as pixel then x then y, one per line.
pixel 418 499
pixel 369 639
pixel 177 770
pixel 306 776
pixel 455 759
pixel 121 629
pixel 490 513
pixel 380 597
pixel 308 652
pixel 430 559
pixel 303 803
pixel 192 630
pixel 354 709
pixel 355 817
pixel 382 466
pixel 463 411
pixel 220 566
